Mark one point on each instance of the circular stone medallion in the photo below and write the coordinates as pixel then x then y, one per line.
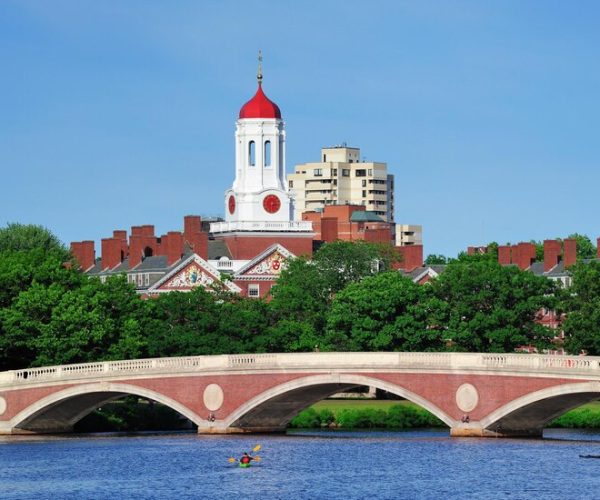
pixel 213 397
pixel 2 405
pixel 467 397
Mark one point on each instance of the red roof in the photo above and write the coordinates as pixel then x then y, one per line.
pixel 260 107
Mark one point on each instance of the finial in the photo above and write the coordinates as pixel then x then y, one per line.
pixel 259 75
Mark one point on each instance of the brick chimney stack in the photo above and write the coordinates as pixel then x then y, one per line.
pixel 504 255
pixel 411 257
pixel 85 253
pixel 192 233
pixel 552 253
pixel 523 255
pixel 174 247
pixel 111 253
pixel 569 252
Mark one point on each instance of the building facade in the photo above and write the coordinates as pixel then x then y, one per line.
pixel 409 234
pixel 342 178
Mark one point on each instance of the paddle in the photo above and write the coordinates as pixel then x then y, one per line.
pixel 255 449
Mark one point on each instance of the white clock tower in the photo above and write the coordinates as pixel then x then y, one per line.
pixel 259 206
pixel 259 192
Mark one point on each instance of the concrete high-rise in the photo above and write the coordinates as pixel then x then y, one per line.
pixel 342 178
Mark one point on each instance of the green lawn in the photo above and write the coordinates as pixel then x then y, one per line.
pixel 336 405
pixel 585 416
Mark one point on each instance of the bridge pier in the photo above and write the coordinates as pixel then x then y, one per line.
pixel 239 430
pixel 474 429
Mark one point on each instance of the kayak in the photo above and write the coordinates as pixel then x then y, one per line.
pixel 244 466
pixel 584 456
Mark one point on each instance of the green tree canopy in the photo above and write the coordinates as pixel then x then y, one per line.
pixel 492 308
pixel 436 259
pixel 24 237
pixel 582 305
pixel 386 312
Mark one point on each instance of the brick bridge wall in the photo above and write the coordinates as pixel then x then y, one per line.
pixel 500 394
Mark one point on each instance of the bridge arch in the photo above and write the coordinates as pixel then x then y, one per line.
pixel 529 414
pixel 59 411
pixel 277 406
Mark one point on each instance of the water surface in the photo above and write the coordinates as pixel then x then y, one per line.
pixel 311 465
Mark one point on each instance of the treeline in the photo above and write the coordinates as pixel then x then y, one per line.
pixel 346 298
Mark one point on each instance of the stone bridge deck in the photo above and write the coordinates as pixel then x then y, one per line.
pixel 474 394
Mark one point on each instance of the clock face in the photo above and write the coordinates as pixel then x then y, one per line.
pixel 271 203
pixel 231 204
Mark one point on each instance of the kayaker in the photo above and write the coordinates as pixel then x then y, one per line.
pixel 246 459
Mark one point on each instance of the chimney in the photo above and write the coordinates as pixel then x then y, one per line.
pixel 77 252
pixel 569 252
pixel 148 230
pixel 121 234
pixel 174 247
pixel 411 257
pixel 503 255
pixel 111 253
pixel 329 229
pixel 199 243
pixel 191 224
pixel 523 255
pixel 552 252
pixel 136 248
pixel 88 255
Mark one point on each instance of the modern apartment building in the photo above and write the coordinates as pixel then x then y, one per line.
pixel 409 234
pixel 342 178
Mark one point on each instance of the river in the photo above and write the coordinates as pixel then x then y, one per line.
pixel 424 464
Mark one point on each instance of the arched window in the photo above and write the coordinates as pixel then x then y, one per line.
pixel 267 153
pixel 148 252
pixel 251 153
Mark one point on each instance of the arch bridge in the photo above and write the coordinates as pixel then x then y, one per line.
pixel 474 394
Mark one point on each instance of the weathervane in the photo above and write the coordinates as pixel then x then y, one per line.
pixel 259 75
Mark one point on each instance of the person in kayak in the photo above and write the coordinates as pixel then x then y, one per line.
pixel 246 459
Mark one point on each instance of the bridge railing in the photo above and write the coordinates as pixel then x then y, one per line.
pixel 316 362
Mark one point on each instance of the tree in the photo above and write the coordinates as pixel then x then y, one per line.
pixel 24 237
pixel 436 259
pixel 582 307
pixel 306 288
pixel 53 324
pixel 300 300
pixel 386 312
pixel 585 247
pixel 183 324
pixel 492 308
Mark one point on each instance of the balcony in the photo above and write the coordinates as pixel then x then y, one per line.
pixel 285 226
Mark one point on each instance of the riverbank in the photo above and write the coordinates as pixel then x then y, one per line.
pixel 383 414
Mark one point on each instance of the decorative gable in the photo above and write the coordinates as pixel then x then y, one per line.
pixel 190 277
pixel 191 273
pixel 266 266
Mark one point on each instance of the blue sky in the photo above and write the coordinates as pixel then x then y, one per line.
pixel 120 113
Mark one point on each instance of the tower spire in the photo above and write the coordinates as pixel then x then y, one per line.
pixel 259 75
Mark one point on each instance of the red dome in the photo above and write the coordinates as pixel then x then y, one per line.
pixel 260 107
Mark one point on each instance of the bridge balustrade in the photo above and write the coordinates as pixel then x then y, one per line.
pixel 312 361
